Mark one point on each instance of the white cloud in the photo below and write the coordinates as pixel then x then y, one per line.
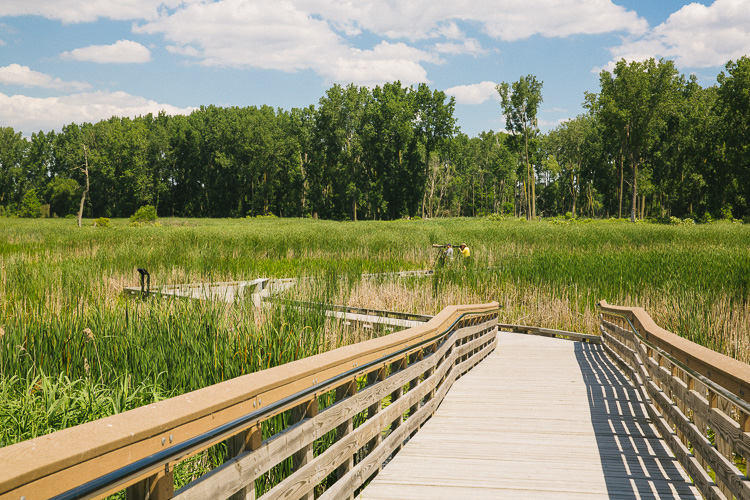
pixel 507 20
pixel 31 114
pixel 696 36
pixel 123 51
pixel 79 11
pixel 470 46
pixel 15 74
pixel 477 93
pixel 277 35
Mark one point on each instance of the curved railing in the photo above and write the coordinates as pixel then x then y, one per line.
pixel 340 392
pixel 698 399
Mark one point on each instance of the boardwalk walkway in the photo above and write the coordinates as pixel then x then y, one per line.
pixel 539 418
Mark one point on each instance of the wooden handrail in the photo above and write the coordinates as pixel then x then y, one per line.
pixel 696 397
pixel 427 363
pixel 548 332
pixel 728 372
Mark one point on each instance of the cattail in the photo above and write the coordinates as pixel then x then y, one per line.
pixel 88 333
pixel 86 363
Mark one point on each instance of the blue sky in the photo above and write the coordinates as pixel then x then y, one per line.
pixel 64 61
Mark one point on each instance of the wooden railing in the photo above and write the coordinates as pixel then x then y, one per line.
pixel 548 332
pixel 698 399
pixel 368 398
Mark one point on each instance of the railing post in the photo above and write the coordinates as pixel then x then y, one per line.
pixel 160 486
pixel 397 366
pixel 305 455
pixel 372 410
pixel 343 391
pixel 415 358
pixel 248 440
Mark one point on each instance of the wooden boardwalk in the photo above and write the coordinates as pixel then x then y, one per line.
pixel 556 420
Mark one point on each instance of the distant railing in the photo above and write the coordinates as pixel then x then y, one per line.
pixel 698 399
pixel 369 398
pixel 548 332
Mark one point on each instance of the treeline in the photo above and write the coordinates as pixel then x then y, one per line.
pixel 653 143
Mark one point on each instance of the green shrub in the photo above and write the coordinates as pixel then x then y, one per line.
pixel 101 222
pixel 144 215
pixel 726 212
pixel 508 207
pixel 31 207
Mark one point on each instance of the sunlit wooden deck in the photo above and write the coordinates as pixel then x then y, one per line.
pixel 539 418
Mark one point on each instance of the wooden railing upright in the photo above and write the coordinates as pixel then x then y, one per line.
pixel 369 398
pixel 698 399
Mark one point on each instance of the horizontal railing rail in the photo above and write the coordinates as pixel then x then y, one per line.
pixel 697 398
pixel 350 309
pixel 339 392
pixel 548 332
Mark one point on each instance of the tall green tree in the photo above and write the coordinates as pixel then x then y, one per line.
pixel 635 102
pixel 733 109
pixel 520 103
pixel 13 151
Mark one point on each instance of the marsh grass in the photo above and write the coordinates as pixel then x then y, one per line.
pixel 58 281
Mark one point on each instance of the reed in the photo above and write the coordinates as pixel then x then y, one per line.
pixel 72 348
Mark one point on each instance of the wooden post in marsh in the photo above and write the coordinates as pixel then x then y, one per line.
pixel 248 440
pixel 157 487
pixel 306 410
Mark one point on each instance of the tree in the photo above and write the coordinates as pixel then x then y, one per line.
pixel 733 109
pixel 62 195
pixel 520 103
pixel 568 144
pixel 31 207
pixel 13 151
pixel 635 102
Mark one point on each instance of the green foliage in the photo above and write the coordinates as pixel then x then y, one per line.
pixel 145 214
pixel 31 207
pixel 101 222
pixel 58 283
pixel 726 212
pixel 63 196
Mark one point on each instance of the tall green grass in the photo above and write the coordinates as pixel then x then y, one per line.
pixel 58 281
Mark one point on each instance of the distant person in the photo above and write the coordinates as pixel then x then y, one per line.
pixel 449 252
pixel 465 251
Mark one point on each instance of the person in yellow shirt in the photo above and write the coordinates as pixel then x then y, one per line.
pixel 465 250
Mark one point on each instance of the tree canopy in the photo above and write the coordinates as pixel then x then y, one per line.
pixel 652 142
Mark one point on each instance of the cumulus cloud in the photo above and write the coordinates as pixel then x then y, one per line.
pixel 122 51
pixel 470 46
pixel 506 20
pixel 696 36
pixel 79 11
pixel 477 93
pixel 15 74
pixel 277 35
pixel 31 114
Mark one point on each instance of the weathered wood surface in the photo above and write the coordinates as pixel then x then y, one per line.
pixel 539 418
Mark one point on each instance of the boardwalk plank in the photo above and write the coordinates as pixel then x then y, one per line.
pixel 539 418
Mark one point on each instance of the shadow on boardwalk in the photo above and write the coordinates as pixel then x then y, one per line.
pixel 635 461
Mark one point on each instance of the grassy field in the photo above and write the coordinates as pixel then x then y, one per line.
pixel 72 348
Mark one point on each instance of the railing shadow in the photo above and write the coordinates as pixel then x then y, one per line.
pixel 634 459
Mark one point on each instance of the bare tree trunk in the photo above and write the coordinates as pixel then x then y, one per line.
pixel 85 191
pixel 622 182
pixel 635 191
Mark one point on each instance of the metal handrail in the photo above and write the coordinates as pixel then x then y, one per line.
pixel 733 398
pixel 140 467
